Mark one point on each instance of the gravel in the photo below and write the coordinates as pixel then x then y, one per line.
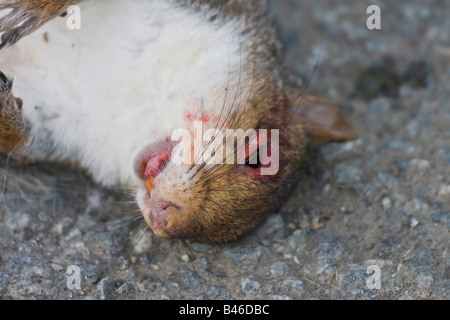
pixel 381 201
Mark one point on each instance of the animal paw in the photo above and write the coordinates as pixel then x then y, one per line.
pixel 26 16
pixel 13 128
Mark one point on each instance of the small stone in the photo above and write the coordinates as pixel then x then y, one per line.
pixel 348 171
pixel 330 250
pixel 416 206
pixel 246 255
pixel 86 222
pixel 122 289
pixel 386 202
pixel 293 283
pixel 315 223
pixel 144 258
pixel 191 280
pixel 278 268
pixel 107 238
pixel 62 226
pixel 273 228
pixel 18 221
pixel 444 190
pixel 291 226
pixel 380 105
pixel 40 272
pixel 356 293
pixel 249 285
pixel 143 243
pixel 94 200
pixel 90 273
pixel 185 258
pixel 212 291
pixel 297 240
pixel 73 233
pixel 413 222
pixel 155 267
pixel 326 265
pixel 355 279
pixel 419 165
pixel 424 280
pixel 102 288
pixel 326 189
pixel 388 180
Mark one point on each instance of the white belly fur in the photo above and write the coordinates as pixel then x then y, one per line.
pixel 124 79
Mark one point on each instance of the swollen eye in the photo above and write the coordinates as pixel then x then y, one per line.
pixel 253 164
pixel 252 169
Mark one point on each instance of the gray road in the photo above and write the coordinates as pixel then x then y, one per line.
pixel 376 206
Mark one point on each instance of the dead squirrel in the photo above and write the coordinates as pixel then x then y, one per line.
pixel 109 96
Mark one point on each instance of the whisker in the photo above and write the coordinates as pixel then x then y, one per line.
pixel 205 267
pixel 145 230
pixel 235 120
pixel 218 176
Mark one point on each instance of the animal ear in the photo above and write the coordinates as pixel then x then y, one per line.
pixel 322 120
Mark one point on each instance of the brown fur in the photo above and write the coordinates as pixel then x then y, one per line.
pixel 13 130
pixel 227 207
pixel 32 13
pixel 219 207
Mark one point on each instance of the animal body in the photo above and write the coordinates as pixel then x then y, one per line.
pixel 108 97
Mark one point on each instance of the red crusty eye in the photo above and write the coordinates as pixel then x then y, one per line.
pixel 253 165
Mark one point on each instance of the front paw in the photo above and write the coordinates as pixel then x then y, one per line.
pixel 25 17
pixel 13 128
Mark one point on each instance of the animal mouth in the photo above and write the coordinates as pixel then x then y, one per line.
pixel 154 166
pixel 149 163
pixel 153 159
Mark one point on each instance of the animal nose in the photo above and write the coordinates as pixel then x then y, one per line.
pixel 162 218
